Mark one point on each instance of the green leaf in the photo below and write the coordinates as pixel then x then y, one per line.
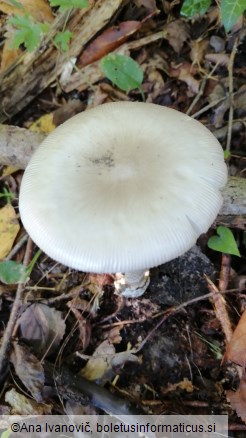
pixel 28 32
pixel 224 242
pixel 123 71
pixel 69 4
pixel 227 155
pixel 12 272
pixel 62 39
pixel 6 433
pixel 231 11
pixel 193 7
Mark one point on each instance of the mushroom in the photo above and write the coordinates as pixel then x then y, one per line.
pixel 121 188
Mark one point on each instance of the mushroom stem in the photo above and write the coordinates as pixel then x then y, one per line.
pixel 132 284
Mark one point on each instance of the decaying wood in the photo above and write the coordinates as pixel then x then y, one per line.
pixel 33 72
pixel 18 144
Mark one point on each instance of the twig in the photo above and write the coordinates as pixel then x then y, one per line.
pixel 231 100
pixel 225 272
pixel 201 90
pixel 13 316
pixel 220 309
pixel 17 247
pixel 199 94
pixel 208 107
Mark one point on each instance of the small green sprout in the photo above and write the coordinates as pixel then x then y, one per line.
pixel 224 242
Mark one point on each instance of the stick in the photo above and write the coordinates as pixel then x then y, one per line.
pixel 13 316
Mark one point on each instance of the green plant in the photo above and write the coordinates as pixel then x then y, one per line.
pixel 27 32
pixel 123 71
pixel 230 10
pixel 213 346
pixel 12 272
pixel 62 40
pixel 8 195
pixel 69 4
pixel 224 242
pixel 6 433
pixel 30 32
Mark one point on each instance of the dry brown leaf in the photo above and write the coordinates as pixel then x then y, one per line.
pixel 43 327
pixel 238 399
pixel 236 349
pixel 198 50
pixel 9 228
pixel 109 40
pixel 39 9
pixel 184 72
pixel 29 370
pixel 177 32
pixel 67 110
pixel 22 405
pixel 101 279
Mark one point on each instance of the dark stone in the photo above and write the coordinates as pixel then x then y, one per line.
pixel 181 279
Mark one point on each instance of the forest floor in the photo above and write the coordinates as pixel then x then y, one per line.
pixel 166 352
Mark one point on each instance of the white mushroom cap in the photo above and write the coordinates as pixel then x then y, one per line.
pixel 122 187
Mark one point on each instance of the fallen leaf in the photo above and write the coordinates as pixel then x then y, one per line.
pixel 177 32
pixel 198 50
pixel 238 399
pixel 39 9
pixel 43 327
pixel 9 170
pixel 29 370
pixel 9 228
pixel 101 279
pixel 43 124
pixel 68 110
pixel 236 349
pixel 184 72
pixel 109 40
pixel 22 405
pixel 102 364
